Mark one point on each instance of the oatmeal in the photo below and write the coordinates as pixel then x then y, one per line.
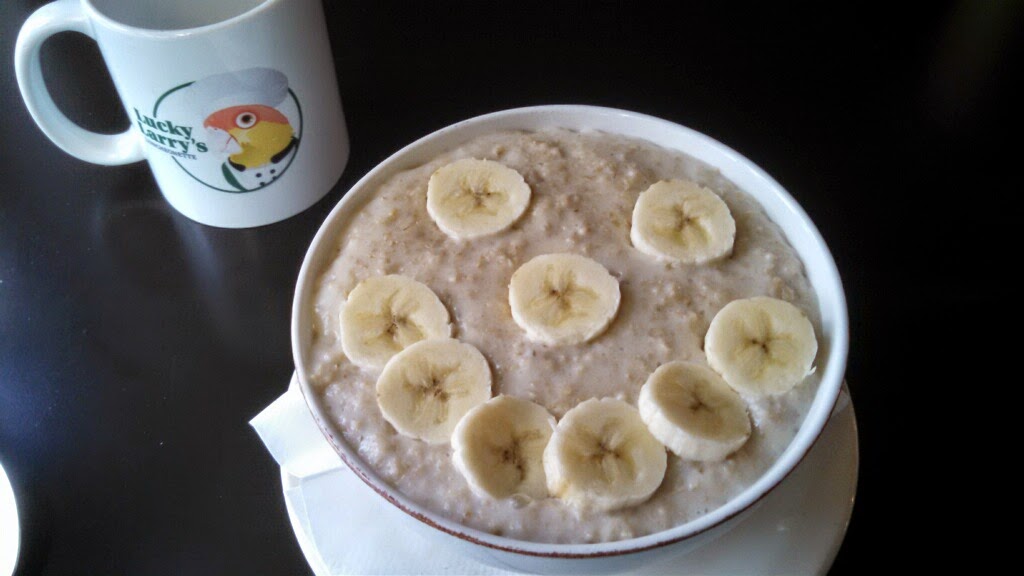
pixel 584 188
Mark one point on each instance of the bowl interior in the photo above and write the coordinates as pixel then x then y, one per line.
pixel 777 203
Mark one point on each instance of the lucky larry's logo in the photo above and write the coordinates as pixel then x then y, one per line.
pixel 234 132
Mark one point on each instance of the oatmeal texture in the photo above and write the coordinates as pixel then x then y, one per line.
pixel 584 188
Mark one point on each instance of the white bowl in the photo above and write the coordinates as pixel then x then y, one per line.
pixel 624 554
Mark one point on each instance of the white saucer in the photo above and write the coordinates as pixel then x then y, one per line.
pixel 9 530
pixel 796 529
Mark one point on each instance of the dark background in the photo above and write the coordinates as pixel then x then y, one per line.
pixel 135 344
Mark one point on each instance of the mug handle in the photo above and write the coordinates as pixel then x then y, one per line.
pixel 63 16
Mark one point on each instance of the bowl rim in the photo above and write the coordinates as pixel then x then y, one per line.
pixel 816 418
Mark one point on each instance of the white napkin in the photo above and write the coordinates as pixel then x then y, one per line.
pixel 354 535
pixel 292 436
pixel 357 534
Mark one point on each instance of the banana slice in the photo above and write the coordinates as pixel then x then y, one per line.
pixel 470 198
pixel 385 314
pixel 690 409
pixel 499 447
pixel 602 457
pixel 761 346
pixel 681 221
pixel 427 388
pixel 563 298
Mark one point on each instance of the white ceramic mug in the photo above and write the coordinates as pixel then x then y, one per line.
pixel 233 103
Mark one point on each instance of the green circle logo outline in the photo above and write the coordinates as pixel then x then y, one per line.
pixel 298 144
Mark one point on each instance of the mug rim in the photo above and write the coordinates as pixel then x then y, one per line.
pixel 155 33
pixel 818 414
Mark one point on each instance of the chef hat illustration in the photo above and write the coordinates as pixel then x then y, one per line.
pixel 251 86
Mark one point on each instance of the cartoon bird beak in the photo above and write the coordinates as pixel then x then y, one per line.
pixel 222 140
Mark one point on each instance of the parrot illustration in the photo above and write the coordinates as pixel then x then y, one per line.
pixel 260 135
pixel 245 127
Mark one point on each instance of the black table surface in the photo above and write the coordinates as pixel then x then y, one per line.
pixel 135 344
